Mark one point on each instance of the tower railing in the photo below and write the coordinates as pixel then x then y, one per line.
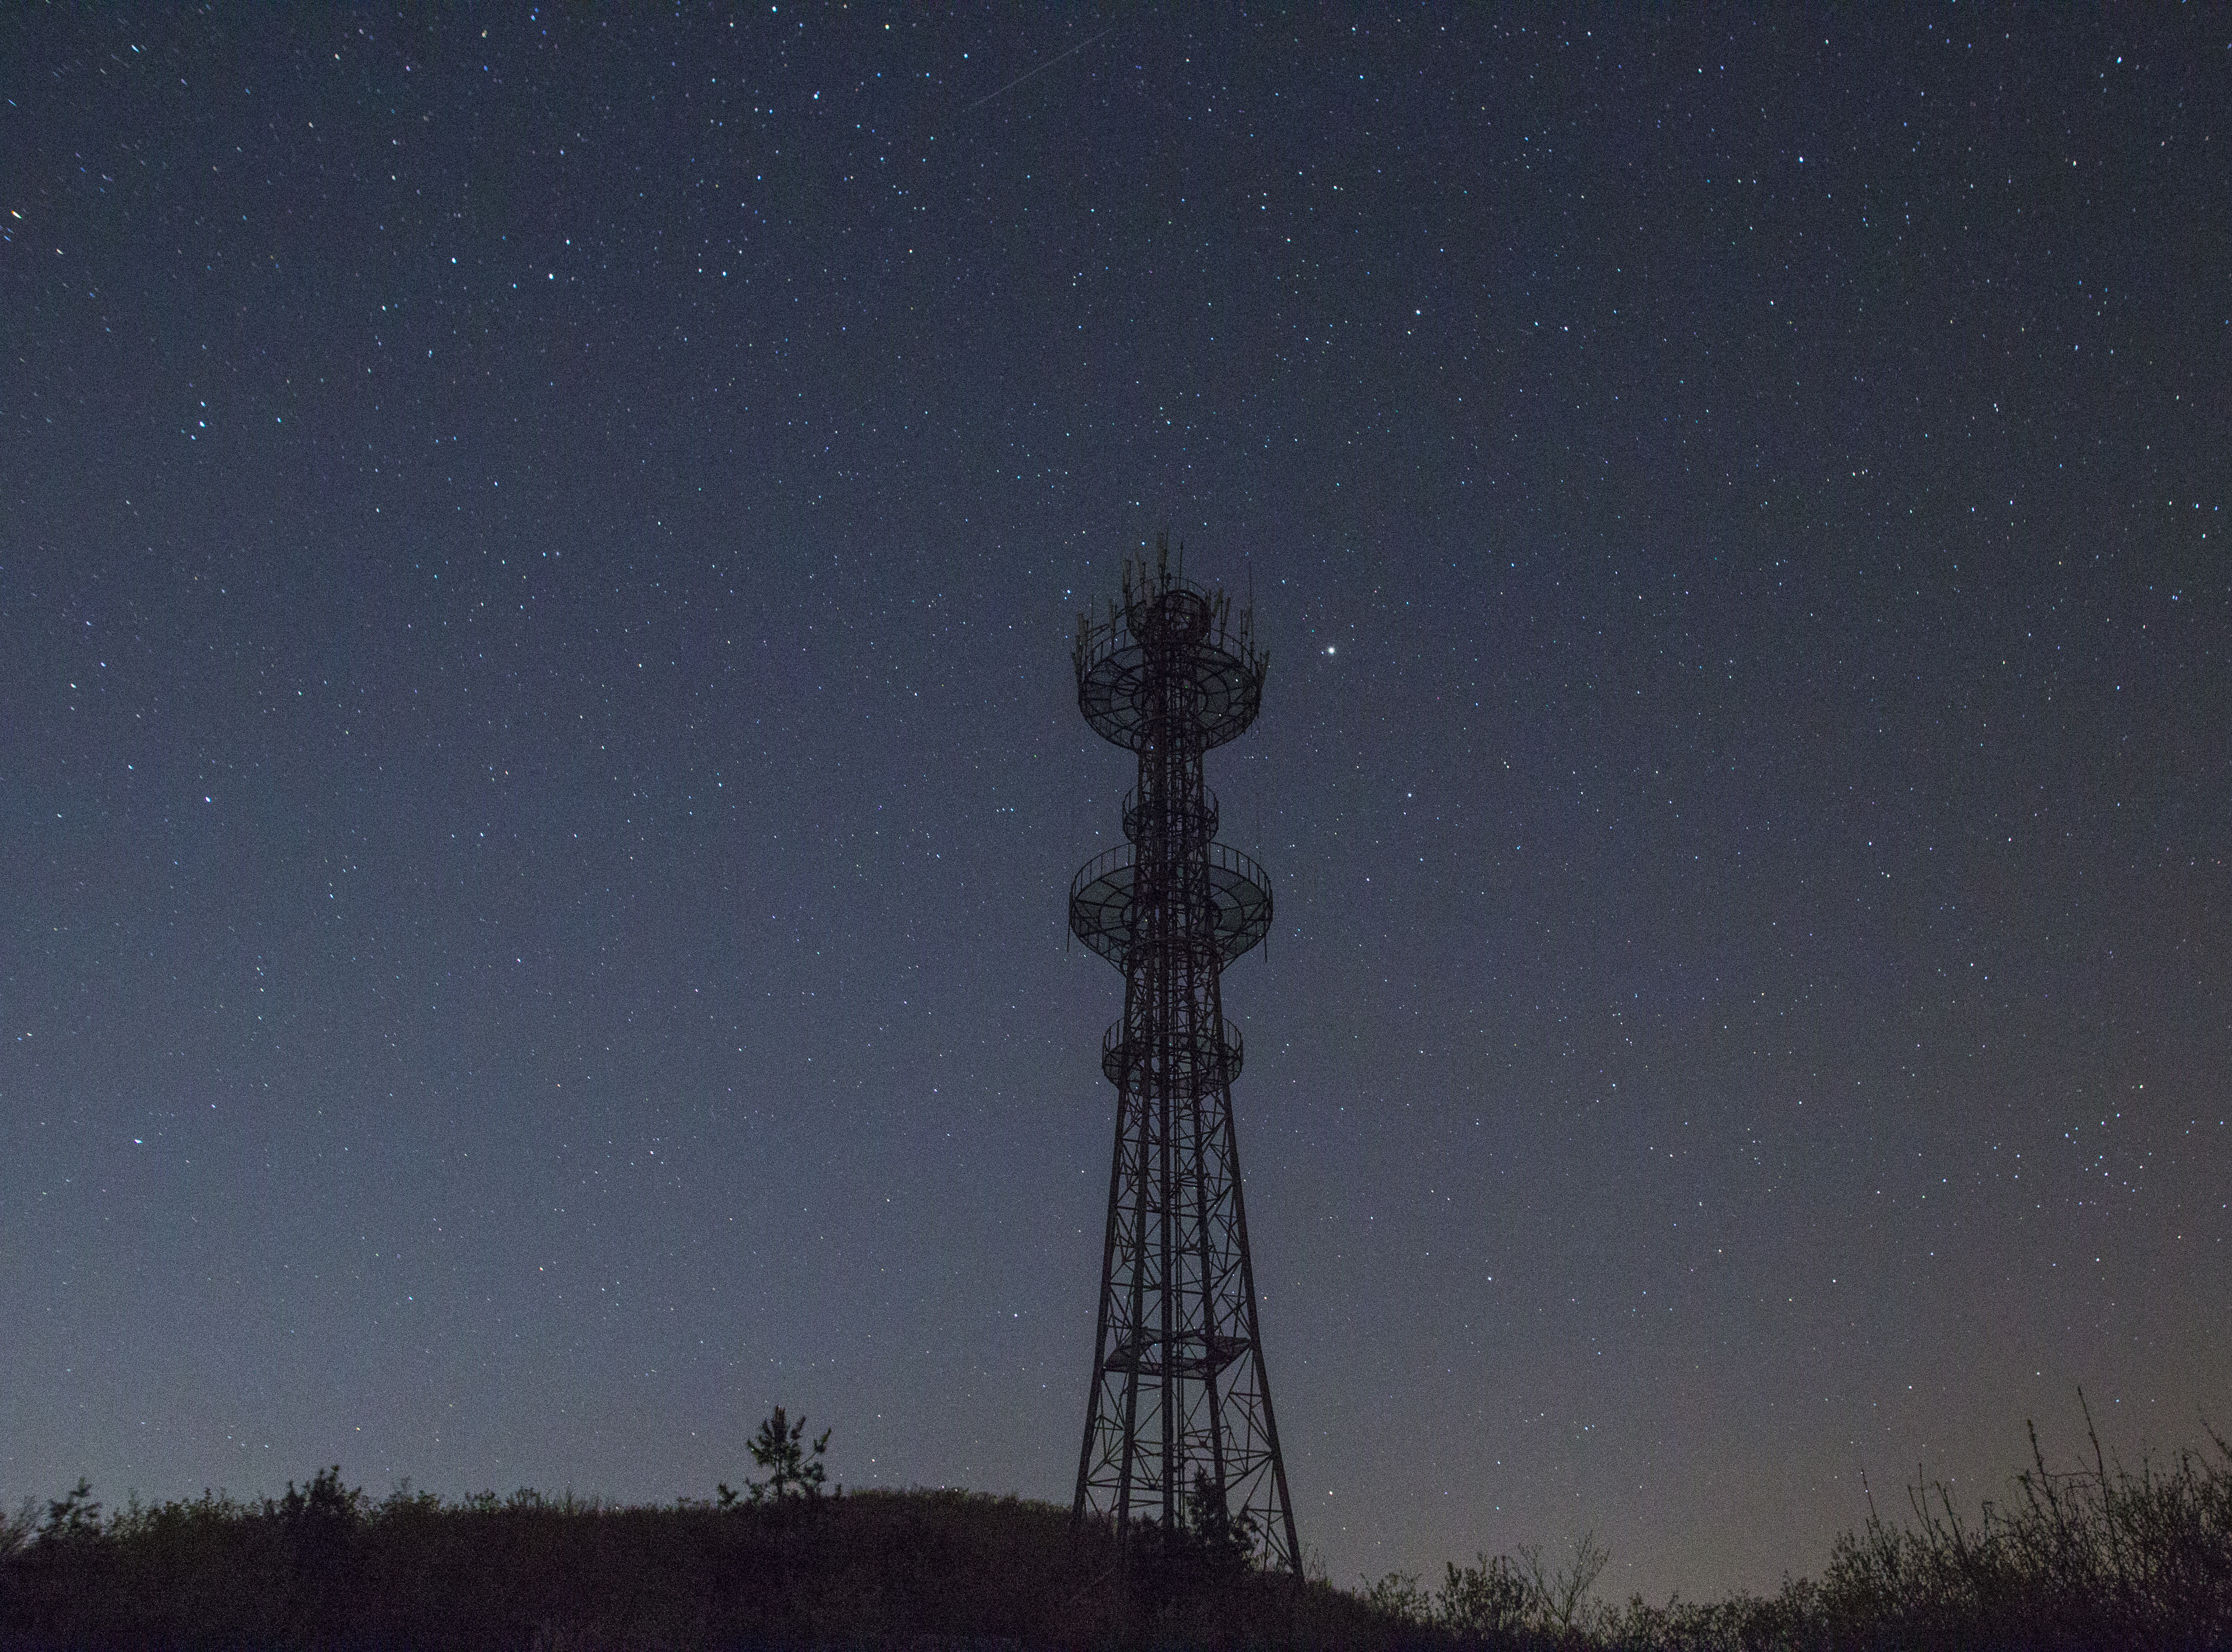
pixel 1203 812
pixel 1103 894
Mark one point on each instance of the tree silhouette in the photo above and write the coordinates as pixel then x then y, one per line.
pixel 779 1447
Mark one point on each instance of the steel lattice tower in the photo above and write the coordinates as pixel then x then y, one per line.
pixel 1178 1428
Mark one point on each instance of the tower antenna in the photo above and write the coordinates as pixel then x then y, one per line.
pixel 1178 1427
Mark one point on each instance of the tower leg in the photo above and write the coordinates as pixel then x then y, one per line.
pixel 1282 1515
pixel 1101 1334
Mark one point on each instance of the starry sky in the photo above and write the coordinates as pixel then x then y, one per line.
pixel 540 763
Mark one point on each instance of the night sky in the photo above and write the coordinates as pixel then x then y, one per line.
pixel 540 766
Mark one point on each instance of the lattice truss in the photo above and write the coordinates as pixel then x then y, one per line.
pixel 1178 1427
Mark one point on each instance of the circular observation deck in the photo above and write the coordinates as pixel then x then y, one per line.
pixel 1169 670
pixel 1191 1072
pixel 1203 820
pixel 1103 898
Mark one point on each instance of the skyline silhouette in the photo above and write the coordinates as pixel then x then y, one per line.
pixel 540 771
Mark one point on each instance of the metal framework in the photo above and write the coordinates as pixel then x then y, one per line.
pixel 1178 1428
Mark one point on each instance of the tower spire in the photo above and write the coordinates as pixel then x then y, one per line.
pixel 1178 1426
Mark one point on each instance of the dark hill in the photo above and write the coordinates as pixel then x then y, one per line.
pixel 326 1569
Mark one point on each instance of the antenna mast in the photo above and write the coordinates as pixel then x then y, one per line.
pixel 1178 1427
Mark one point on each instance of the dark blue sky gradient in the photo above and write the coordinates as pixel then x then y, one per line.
pixel 540 765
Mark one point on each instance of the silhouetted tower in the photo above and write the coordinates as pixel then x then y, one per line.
pixel 1178 1429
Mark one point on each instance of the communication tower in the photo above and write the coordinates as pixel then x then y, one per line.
pixel 1178 1428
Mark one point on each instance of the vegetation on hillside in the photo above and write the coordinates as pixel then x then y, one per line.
pixel 2094 1557
pixel 2100 1556
pixel 327 1567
